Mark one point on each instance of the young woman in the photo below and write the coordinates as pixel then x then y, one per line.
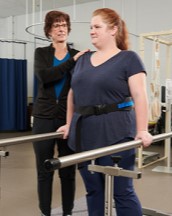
pixel 107 104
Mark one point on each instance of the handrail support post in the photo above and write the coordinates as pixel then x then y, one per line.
pixel 110 172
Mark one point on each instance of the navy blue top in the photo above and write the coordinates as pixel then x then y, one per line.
pixel 104 84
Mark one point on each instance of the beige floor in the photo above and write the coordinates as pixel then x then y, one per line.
pixel 18 183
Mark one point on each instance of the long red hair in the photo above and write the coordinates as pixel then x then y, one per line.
pixel 112 18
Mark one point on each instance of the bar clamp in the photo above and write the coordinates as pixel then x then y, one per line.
pixel 110 172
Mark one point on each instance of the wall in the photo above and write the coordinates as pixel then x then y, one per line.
pixel 140 16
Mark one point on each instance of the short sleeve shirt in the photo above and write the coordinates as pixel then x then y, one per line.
pixel 104 84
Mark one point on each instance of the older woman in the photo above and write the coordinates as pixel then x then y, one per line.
pixel 52 65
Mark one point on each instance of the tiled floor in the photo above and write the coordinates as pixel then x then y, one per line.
pixel 18 183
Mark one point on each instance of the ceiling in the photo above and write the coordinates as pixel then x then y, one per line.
pixel 18 7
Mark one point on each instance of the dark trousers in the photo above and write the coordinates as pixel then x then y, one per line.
pixel 45 150
pixel 126 200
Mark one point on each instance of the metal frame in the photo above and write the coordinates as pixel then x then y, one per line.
pixel 29 138
pixel 110 172
pixel 165 38
pixel 78 157
pixel 56 163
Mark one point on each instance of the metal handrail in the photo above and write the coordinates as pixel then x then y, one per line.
pixel 56 163
pixel 29 138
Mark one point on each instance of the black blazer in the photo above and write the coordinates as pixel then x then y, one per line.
pixel 46 105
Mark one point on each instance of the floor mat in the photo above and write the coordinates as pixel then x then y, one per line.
pixel 80 209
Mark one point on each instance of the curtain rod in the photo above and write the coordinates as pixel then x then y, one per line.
pixel 12 41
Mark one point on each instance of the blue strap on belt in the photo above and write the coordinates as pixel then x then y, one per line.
pixel 125 104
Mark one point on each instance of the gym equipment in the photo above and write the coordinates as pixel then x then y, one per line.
pixel 56 163
pixel 163 38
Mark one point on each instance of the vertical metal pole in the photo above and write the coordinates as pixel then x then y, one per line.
pixel 140 157
pixel 122 9
pixel 25 51
pixel 40 10
pixel 140 150
pixel 103 3
pixel 33 15
pixel 13 44
pixel 108 194
pixel 74 10
pixel 168 112
pixel 27 13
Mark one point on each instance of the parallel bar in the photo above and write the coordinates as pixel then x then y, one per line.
pixel 29 138
pixel 52 164
pixel 56 163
